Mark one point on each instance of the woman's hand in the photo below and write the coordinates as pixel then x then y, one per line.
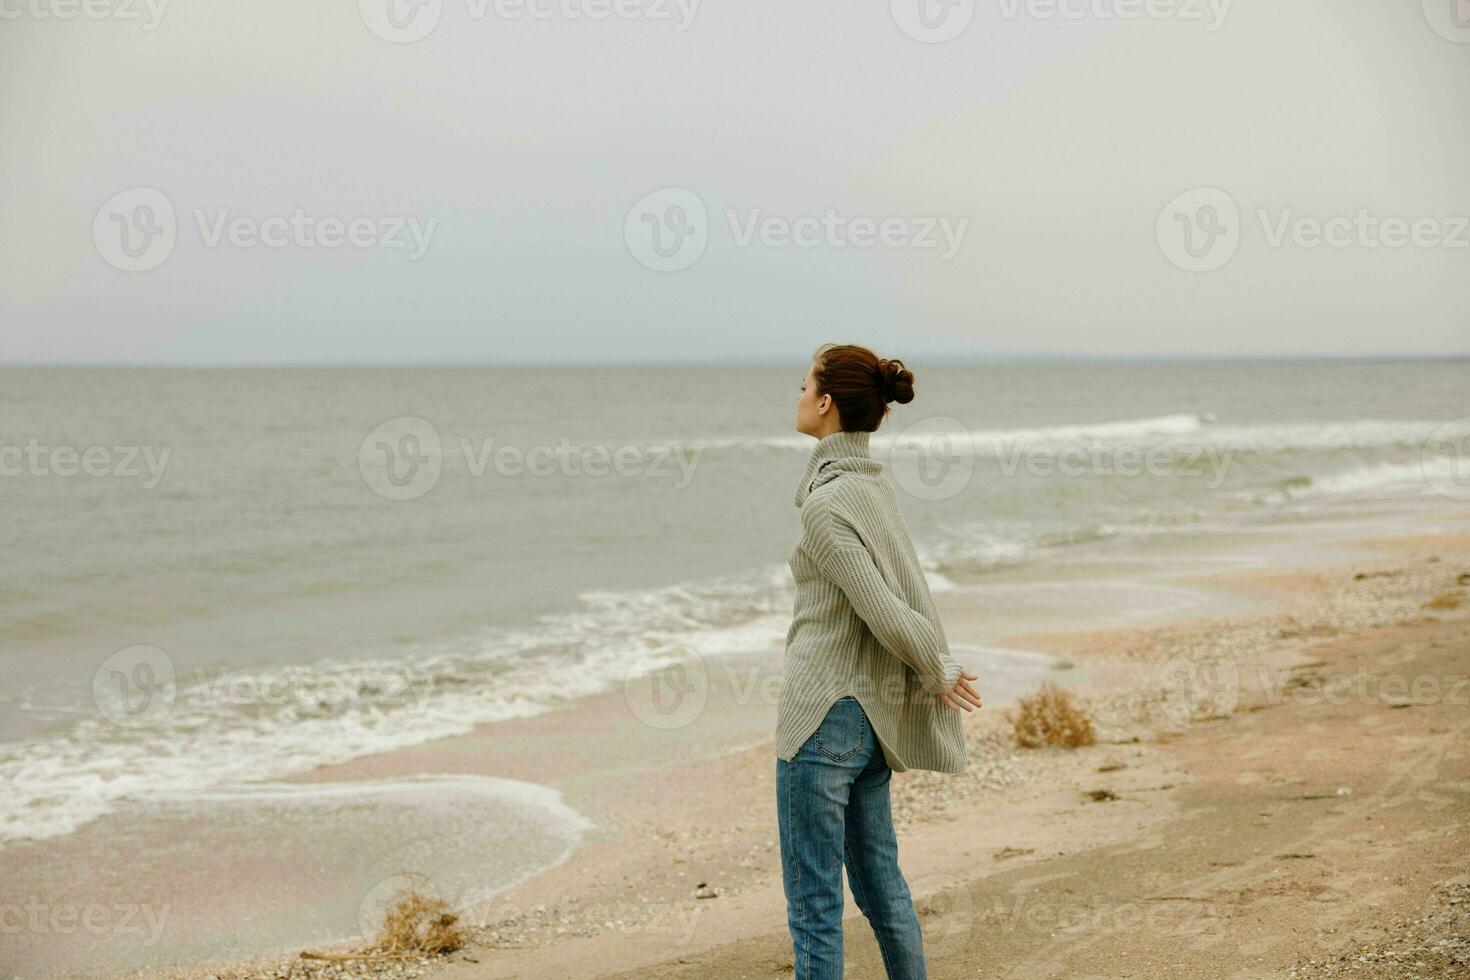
pixel 963 694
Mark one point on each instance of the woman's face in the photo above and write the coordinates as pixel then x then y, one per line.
pixel 812 410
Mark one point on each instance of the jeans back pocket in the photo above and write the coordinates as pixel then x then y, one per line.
pixel 842 732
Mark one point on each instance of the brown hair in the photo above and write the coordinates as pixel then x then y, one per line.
pixel 861 383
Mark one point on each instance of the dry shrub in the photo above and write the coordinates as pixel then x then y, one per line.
pixel 1445 600
pixel 1050 717
pixel 415 925
pixel 419 925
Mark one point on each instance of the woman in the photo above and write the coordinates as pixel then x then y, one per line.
pixel 869 686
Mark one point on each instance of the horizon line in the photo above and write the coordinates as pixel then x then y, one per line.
pixel 945 359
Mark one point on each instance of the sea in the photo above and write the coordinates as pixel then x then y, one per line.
pixel 218 578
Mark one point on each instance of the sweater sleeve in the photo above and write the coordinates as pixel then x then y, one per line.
pixel 839 552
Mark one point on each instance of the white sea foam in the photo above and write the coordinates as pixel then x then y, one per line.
pixel 982 440
pixel 242 727
pixel 1420 476
pixel 1180 430
pixel 271 723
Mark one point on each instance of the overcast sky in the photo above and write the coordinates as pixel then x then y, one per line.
pixel 819 171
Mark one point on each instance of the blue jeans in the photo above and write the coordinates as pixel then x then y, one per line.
pixel 832 809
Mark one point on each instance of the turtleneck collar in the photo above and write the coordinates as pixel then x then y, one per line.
pixel 840 452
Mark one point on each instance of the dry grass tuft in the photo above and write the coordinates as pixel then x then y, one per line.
pixel 415 925
pixel 420 925
pixel 1050 717
pixel 1445 600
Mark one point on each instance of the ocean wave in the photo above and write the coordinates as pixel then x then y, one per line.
pixel 1422 475
pixel 227 728
pixel 1179 431
pixel 981 440
pixel 1320 436
pixel 976 548
pixel 231 727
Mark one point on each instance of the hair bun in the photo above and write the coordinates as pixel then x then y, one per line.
pixel 896 382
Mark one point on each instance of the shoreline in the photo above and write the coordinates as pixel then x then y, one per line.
pixel 623 901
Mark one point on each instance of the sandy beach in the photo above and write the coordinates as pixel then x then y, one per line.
pixel 1281 786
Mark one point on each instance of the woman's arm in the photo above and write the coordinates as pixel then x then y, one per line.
pixel 840 554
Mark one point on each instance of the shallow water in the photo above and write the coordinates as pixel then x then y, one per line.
pixel 233 873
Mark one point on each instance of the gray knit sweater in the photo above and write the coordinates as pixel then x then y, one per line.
pixel 864 623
